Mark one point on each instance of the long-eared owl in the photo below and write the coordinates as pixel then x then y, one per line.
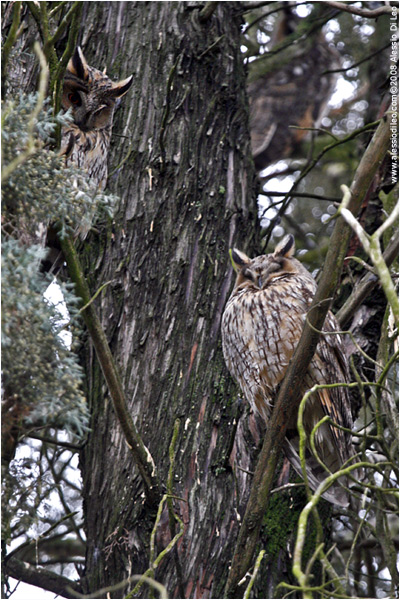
pixel 261 327
pixel 92 96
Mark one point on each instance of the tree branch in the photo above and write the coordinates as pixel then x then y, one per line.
pixel 12 36
pixel 142 456
pixel 207 11
pixel 361 12
pixel 287 402
pixel 42 578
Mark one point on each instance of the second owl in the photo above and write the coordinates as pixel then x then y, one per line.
pixel 261 327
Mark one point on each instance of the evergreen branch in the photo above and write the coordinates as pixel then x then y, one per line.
pixel 310 27
pixel 30 145
pixel 142 456
pixel 287 401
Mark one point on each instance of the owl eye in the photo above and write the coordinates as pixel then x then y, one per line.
pixel 275 266
pixel 75 98
pixel 248 274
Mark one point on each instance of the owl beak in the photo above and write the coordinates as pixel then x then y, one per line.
pixel 259 282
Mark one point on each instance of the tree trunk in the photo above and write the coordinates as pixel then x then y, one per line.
pixel 187 195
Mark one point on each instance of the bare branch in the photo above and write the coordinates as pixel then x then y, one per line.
pixel 142 456
pixel 371 245
pixel 42 578
pixel 361 12
pixel 367 284
pixel 207 11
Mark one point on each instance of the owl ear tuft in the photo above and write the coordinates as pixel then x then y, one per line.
pixel 78 66
pixel 120 88
pixel 286 247
pixel 239 259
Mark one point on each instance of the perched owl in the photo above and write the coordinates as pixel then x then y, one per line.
pixel 261 327
pixel 92 97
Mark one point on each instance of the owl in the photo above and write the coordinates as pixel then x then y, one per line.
pixel 92 97
pixel 261 327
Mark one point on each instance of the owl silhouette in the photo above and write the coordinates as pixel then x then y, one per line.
pixel 92 97
pixel 261 326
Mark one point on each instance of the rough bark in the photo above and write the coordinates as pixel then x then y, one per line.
pixel 186 190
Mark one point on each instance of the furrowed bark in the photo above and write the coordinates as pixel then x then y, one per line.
pixel 181 168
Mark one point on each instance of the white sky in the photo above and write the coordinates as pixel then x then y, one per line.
pixel 30 592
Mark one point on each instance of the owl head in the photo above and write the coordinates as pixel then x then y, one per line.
pixel 260 272
pixel 91 94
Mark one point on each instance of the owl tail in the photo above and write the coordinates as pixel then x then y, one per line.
pixel 316 474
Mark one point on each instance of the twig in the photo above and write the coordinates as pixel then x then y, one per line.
pixel 267 14
pixel 31 542
pixel 93 298
pixel 361 12
pixel 170 504
pixel 357 64
pixel 104 592
pixel 165 114
pixel 311 165
pixel 154 562
pixel 48 440
pixel 371 245
pixel 63 25
pixel 367 284
pixel 254 574
pixel 301 195
pixel 303 519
